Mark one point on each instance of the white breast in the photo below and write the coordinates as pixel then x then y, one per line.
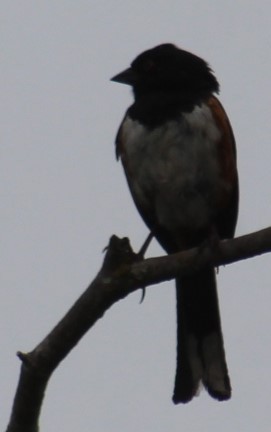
pixel 175 168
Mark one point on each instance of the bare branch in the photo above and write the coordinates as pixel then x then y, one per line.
pixel 122 273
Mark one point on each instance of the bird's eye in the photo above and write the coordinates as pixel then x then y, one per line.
pixel 149 66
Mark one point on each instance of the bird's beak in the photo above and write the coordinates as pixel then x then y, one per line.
pixel 127 76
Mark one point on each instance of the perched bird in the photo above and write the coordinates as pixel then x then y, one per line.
pixel 178 152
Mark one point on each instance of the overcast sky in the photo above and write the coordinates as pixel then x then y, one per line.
pixel 63 194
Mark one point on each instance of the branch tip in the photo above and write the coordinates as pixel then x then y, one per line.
pixel 118 253
pixel 23 357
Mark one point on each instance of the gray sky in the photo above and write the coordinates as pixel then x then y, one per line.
pixel 63 195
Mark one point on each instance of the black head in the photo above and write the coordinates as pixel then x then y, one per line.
pixel 168 69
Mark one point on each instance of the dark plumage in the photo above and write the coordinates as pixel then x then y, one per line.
pixel 178 152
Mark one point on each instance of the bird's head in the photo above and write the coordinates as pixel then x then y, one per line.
pixel 167 68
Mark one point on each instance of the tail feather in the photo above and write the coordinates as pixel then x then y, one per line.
pixel 200 349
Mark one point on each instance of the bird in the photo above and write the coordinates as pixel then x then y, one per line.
pixel 178 151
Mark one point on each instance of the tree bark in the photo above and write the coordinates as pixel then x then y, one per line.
pixel 122 272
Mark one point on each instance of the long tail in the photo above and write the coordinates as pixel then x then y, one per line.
pixel 200 349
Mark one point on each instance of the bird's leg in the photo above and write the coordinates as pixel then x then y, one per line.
pixel 141 254
pixel 145 246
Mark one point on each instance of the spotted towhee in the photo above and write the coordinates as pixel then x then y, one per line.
pixel 178 152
